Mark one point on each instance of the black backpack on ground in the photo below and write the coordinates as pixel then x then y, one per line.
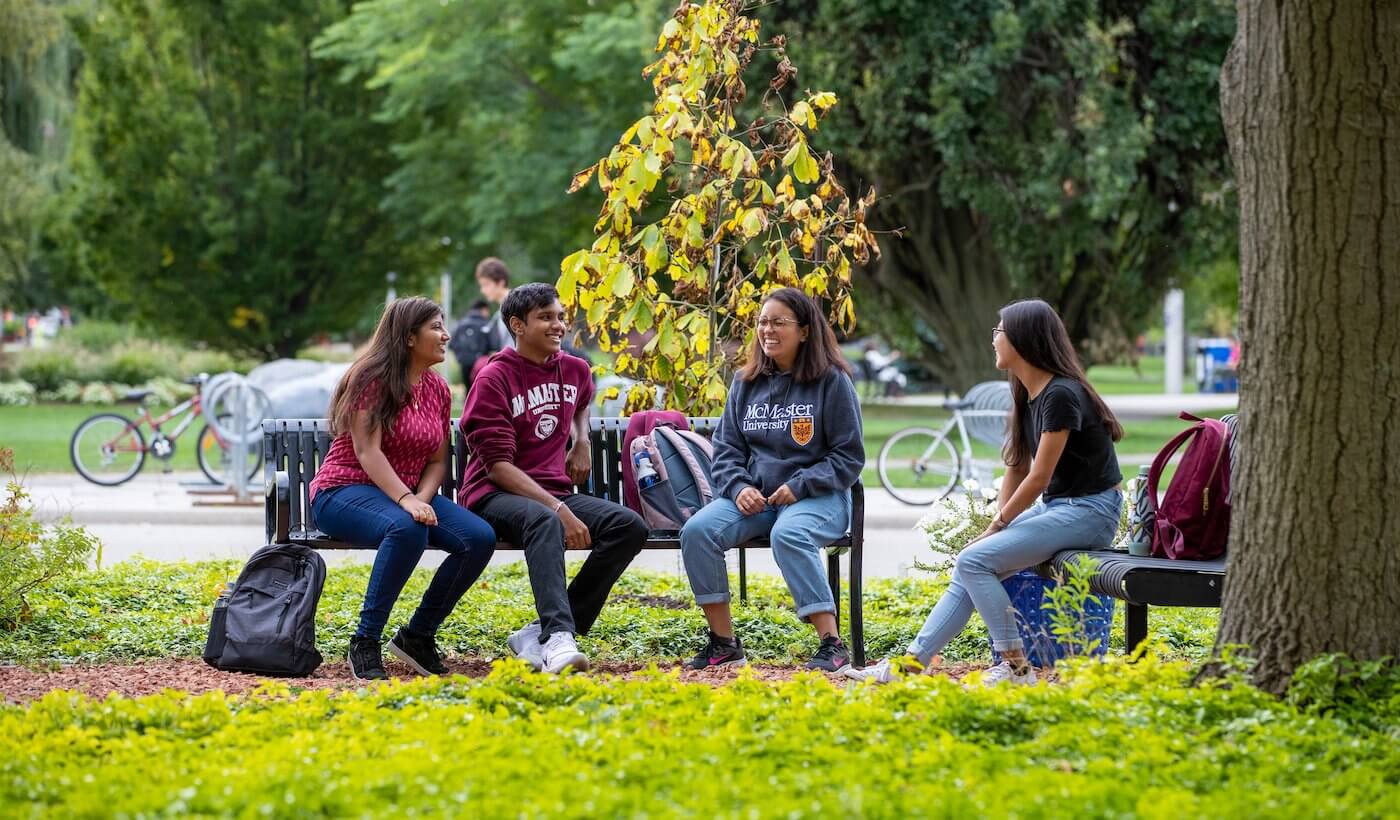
pixel 266 623
pixel 472 339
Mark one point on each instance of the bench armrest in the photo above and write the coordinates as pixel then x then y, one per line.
pixel 277 508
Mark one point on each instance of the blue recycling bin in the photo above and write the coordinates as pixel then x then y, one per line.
pixel 1027 590
pixel 1213 374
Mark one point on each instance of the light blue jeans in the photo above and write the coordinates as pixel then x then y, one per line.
pixel 1087 521
pixel 798 533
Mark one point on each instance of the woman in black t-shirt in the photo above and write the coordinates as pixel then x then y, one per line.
pixel 1060 490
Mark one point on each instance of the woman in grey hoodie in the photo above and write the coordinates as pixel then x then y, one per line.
pixel 787 451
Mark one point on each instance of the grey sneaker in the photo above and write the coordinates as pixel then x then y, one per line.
pixel 831 656
pixel 1002 673
pixel 525 644
pixel 561 652
pixel 719 653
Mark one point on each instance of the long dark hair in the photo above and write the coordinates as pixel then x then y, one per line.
pixel 815 357
pixel 1039 336
pixel 385 364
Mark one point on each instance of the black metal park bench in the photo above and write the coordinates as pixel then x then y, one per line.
pixel 293 450
pixel 1142 582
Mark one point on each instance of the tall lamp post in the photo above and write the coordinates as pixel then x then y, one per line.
pixel 445 285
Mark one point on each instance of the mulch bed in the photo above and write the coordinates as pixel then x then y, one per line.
pixel 20 684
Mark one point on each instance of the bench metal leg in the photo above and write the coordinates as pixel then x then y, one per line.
pixel 1135 625
pixel 857 616
pixel 743 577
pixel 833 576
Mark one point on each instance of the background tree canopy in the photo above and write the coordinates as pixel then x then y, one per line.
pixel 1066 149
pixel 36 56
pixel 244 166
pixel 494 106
pixel 227 188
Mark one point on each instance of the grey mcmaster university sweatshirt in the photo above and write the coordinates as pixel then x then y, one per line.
pixel 775 431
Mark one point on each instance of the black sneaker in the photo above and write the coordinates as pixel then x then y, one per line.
pixel 831 655
pixel 365 662
pixel 719 653
pixel 418 651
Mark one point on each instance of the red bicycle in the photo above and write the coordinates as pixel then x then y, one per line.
pixel 110 449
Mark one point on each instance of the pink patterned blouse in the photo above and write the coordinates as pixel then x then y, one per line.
pixel 419 430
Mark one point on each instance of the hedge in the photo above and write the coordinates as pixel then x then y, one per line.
pixel 1112 740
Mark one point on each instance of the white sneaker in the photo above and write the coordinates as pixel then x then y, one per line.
pixel 885 671
pixel 525 644
pixel 561 652
pixel 1001 673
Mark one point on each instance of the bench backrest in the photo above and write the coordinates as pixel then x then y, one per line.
pixel 299 446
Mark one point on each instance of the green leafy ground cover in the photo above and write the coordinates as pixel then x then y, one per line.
pixel 1110 740
pixel 138 610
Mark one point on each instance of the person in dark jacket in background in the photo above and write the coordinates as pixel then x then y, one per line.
pixel 787 451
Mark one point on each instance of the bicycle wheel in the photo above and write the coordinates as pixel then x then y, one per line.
pixel 107 449
pixel 213 455
pixel 918 466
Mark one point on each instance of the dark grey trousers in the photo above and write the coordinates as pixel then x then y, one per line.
pixel 618 535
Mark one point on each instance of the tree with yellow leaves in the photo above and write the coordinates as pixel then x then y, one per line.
pixel 748 207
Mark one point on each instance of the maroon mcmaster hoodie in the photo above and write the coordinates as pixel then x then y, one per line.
pixel 522 412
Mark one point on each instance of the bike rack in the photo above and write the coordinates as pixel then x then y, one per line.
pixel 236 409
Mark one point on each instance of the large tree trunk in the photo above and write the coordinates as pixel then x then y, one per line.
pixel 944 272
pixel 1311 97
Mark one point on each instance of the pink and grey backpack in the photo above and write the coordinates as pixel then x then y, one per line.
pixel 682 461
pixel 1193 518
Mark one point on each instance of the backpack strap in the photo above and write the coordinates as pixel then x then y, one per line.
pixel 1159 464
pixel 692 464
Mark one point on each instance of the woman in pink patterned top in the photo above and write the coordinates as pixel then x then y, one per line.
pixel 392 416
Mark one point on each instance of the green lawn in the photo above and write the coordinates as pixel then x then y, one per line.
pixel 1149 376
pixel 39 435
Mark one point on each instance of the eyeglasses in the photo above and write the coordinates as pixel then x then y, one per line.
pixel 767 323
pixel 995 331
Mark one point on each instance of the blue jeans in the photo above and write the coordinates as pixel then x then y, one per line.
pixel 363 514
pixel 798 533
pixel 1088 521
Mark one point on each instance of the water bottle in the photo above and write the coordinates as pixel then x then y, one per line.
pixel 1141 519
pixel 646 474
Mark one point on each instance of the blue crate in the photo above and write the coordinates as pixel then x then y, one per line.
pixel 1027 590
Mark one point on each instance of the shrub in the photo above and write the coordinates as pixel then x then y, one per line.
pixel 48 369
pixel 32 557
pixel 1113 740
pixel 1366 692
pixel 213 362
pixel 97 336
pixel 16 394
pixel 137 362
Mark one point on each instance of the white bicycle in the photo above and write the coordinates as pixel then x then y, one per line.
pixel 921 465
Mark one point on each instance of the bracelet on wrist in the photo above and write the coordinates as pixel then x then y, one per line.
pixel 558 504
pixel 406 494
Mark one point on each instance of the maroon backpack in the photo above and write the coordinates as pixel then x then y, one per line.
pixel 1193 518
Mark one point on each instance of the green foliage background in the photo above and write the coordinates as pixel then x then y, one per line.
pixel 226 186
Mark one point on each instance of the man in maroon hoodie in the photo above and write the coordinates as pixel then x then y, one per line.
pixel 521 411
